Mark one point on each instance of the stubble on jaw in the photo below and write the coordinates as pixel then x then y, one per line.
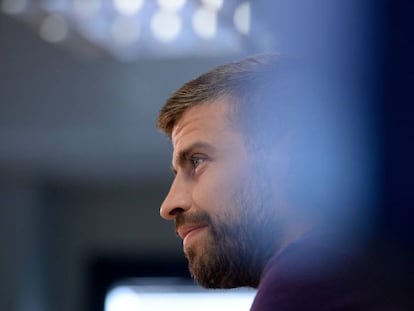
pixel 237 245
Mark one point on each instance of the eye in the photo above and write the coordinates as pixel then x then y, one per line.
pixel 196 161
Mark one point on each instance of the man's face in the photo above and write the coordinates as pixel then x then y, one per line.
pixel 216 200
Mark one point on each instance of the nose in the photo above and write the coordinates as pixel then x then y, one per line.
pixel 178 199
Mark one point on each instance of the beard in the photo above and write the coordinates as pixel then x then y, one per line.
pixel 239 243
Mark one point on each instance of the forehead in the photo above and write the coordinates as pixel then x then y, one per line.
pixel 207 122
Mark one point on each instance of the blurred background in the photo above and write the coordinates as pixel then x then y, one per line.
pixel 83 169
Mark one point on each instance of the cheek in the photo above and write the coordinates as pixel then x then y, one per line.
pixel 214 191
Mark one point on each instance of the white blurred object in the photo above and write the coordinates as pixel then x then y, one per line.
pixel 54 28
pixel 177 298
pixel 128 7
pixel 205 23
pixel 242 18
pixel 165 26
pixel 132 29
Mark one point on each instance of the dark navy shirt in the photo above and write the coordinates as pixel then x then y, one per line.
pixel 325 274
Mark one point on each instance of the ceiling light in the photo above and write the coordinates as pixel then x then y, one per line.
pixel 242 18
pixel 125 30
pixel 165 26
pixel 205 23
pixel 171 5
pixel 54 28
pixel 128 7
pixel 87 8
pixel 213 4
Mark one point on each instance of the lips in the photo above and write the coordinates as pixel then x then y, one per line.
pixel 186 230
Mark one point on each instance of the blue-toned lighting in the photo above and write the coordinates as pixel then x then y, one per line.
pixel 242 18
pixel 165 26
pixel 125 30
pixel 128 7
pixel 171 5
pixel 205 23
pixel 132 29
pixel 87 8
pixel 214 5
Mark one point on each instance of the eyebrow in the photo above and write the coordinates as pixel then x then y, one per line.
pixel 184 154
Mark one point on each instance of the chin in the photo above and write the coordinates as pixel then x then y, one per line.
pixel 221 272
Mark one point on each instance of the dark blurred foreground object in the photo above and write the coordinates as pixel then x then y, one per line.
pixel 381 275
pixel 398 118
pixel 398 125
pixel 321 273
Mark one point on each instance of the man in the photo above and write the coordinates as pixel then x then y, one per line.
pixel 238 201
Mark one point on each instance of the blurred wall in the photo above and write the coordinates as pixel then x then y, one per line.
pixel 83 169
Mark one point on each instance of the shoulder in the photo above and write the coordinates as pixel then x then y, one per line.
pixel 316 274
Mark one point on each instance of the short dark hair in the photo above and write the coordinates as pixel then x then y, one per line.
pixel 248 84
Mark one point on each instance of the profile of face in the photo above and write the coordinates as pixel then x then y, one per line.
pixel 218 201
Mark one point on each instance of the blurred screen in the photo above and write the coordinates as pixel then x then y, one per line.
pixel 168 294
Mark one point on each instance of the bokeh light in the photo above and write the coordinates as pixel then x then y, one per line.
pixel 242 18
pixel 54 28
pixel 128 7
pixel 125 30
pixel 87 8
pixel 132 29
pixel 213 4
pixel 171 5
pixel 205 23
pixel 165 26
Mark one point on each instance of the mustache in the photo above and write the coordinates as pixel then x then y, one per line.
pixel 195 218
